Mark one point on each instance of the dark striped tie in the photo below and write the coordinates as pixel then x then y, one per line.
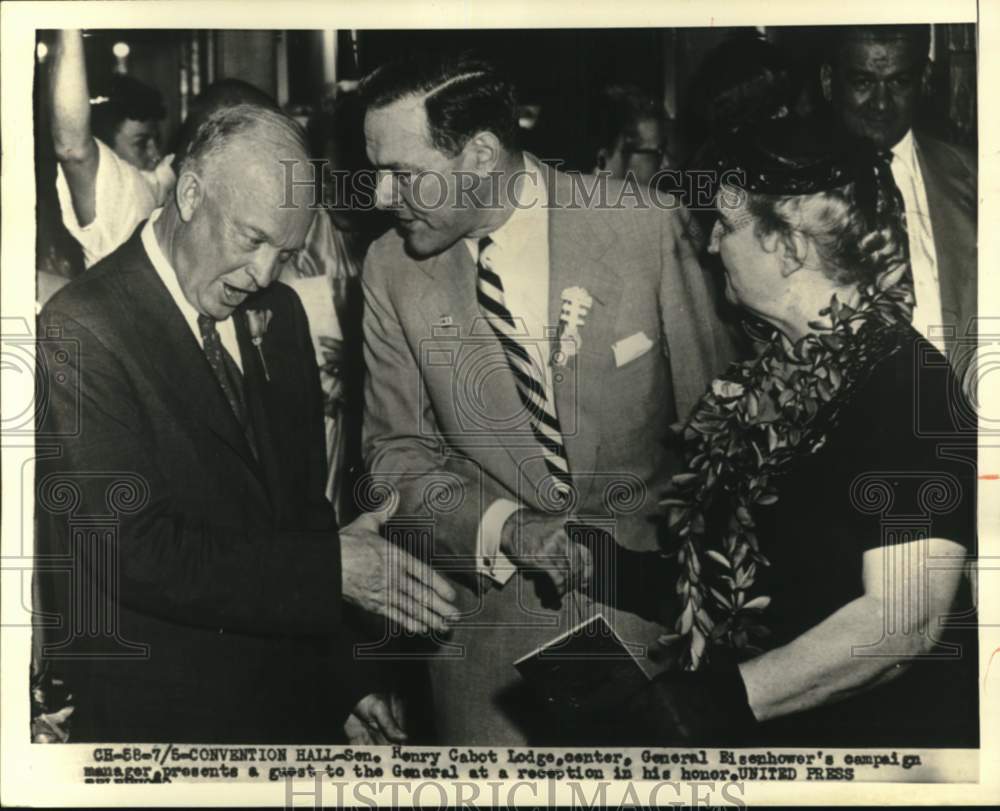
pixel 227 373
pixel 536 396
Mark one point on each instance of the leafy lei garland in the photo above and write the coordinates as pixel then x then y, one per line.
pixel 746 431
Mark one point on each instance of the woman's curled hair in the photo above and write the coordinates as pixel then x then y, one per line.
pixel 851 249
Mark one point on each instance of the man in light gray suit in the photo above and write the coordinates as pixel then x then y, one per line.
pixel 529 338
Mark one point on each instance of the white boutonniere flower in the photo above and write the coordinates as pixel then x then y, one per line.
pixel 259 321
pixel 727 389
pixel 576 304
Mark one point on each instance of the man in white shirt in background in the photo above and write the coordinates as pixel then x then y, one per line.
pixel 111 173
pixel 873 78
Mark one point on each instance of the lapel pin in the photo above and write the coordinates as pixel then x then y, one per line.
pixel 576 304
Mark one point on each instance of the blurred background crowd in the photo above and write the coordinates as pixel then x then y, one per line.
pixel 613 99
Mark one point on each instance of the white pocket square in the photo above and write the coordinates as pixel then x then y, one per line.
pixel 628 349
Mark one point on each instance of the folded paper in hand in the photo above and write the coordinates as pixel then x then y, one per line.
pixel 583 677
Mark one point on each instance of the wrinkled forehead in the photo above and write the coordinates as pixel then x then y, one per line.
pixel 263 188
pixel 272 169
pixel 866 49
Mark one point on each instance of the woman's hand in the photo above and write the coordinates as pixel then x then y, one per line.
pixel 626 579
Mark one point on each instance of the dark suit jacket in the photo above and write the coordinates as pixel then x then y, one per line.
pixel 950 180
pixel 196 588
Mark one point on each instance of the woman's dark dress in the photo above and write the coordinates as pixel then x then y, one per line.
pixel 900 465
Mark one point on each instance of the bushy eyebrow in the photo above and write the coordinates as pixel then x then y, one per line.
pixel 252 231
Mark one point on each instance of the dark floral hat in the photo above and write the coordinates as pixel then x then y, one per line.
pixel 790 156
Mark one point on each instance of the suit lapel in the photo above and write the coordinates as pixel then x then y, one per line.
pixel 578 246
pixel 452 295
pixel 259 407
pixel 173 354
pixel 955 244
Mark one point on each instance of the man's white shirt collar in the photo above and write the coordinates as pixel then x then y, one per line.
pixel 927 314
pixel 167 274
pixel 905 151
pixel 523 221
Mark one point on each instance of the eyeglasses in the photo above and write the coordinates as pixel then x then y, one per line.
pixel 655 151
pixel 660 153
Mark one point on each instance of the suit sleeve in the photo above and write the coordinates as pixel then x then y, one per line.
pixel 183 568
pixel 699 342
pixel 404 450
pixel 355 677
pixel 321 515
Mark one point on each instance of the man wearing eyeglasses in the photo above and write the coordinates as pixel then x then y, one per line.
pixel 627 127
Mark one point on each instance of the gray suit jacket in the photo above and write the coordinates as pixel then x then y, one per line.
pixel 950 180
pixel 438 426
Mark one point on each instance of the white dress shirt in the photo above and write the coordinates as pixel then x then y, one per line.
pixel 927 315
pixel 520 256
pixel 227 329
pixel 123 197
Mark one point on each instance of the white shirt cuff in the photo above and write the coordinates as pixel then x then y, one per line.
pixel 490 561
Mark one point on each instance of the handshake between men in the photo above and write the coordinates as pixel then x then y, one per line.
pixel 563 554
pixel 558 553
pixel 384 579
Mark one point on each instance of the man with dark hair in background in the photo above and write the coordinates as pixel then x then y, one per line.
pixel 111 175
pixel 873 78
pixel 742 81
pixel 108 150
pixel 625 133
pixel 128 120
pixel 526 357
pixel 617 130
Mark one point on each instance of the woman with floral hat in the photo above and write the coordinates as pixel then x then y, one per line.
pixel 820 535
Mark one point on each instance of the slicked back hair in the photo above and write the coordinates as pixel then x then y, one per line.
pixel 462 96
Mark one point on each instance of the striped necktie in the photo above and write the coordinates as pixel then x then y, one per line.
pixel 227 373
pixel 532 388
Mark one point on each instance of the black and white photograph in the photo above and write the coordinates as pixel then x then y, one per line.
pixel 533 399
